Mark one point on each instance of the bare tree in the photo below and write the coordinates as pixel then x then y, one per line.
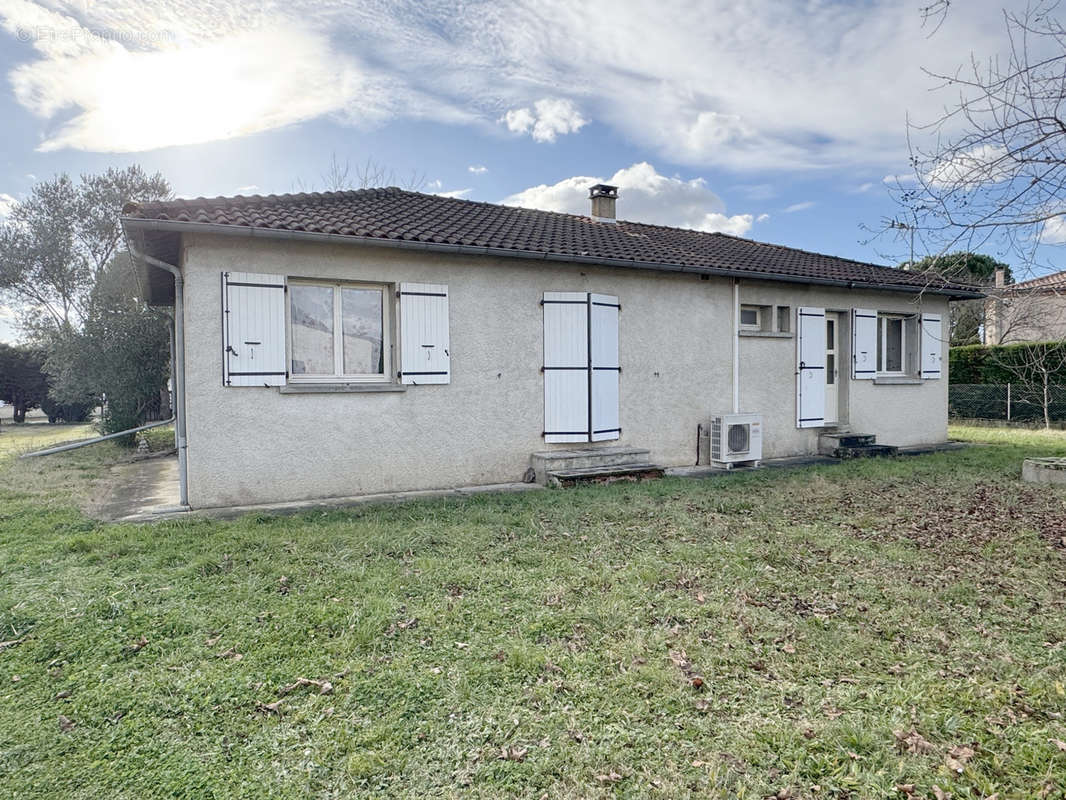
pixel 994 175
pixel 342 177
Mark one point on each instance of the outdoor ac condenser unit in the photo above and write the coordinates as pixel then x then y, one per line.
pixel 733 439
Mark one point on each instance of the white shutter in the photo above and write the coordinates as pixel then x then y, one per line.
pixel 603 314
pixel 810 367
pixel 932 345
pixel 566 366
pixel 424 354
pixel 253 329
pixel 863 344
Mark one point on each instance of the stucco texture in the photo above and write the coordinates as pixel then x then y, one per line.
pixel 255 444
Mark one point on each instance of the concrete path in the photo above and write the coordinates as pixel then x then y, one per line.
pixel 147 488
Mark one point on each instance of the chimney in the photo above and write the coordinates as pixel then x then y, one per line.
pixel 1001 278
pixel 603 198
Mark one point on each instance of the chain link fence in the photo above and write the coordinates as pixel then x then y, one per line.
pixel 1009 402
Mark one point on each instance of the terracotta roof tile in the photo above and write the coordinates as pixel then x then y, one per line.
pixel 397 214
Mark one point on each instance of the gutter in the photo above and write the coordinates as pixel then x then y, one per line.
pixel 462 249
pixel 178 340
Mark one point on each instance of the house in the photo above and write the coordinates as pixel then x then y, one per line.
pixel 1030 311
pixel 347 343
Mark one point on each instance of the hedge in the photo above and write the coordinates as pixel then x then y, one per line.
pixel 978 363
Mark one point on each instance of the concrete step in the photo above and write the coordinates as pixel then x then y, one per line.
pixel 571 477
pixel 829 442
pixel 548 461
pixel 866 451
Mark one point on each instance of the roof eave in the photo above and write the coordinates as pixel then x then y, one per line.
pixel 248 231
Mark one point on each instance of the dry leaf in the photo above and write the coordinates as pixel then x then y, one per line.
pixel 270 708
pixel 906 788
pixel 140 644
pixel 784 794
pixel 513 753
pixel 283 584
pixel 231 653
pixel 957 757
pixel 940 794
pixel 1059 744
pixel 609 777
pixel 697 682
pixel 63 695
pixel 831 712
pixel 913 742
pixel 700 598
pixel 11 643
pixel 213 640
pixel 787 648
pixel 324 687
pixel 65 724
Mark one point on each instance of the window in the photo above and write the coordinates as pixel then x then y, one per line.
pixel 751 318
pixel 338 331
pixel 891 344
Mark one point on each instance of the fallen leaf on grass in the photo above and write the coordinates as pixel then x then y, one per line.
pixel 65 723
pixel 513 753
pixel 609 777
pixel 906 788
pixel 831 712
pixel 270 708
pixel 957 757
pixel 283 584
pixel 940 794
pixel 63 695
pixel 140 644
pixel 213 640
pixel 1059 744
pixel 231 653
pixel 913 742
pixel 11 643
pixel 787 648
pixel 324 687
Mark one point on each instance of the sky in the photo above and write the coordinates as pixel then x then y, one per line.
pixel 780 121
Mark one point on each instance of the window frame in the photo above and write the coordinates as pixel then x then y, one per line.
pixel 746 326
pixel 882 345
pixel 387 294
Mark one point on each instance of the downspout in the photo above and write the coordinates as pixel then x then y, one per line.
pixel 179 369
pixel 736 345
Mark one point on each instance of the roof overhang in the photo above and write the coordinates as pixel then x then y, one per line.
pixel 161 238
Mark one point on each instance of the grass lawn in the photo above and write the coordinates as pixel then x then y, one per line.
pixel 828 632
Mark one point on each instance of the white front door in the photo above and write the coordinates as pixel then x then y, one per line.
pixel 832 368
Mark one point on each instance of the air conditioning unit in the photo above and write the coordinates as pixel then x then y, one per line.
pixel 733 439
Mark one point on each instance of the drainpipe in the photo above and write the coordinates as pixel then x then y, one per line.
pixel 736 345
pixel 179 368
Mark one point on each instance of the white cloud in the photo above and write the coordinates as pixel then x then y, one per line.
pixel 1053 230
pixel 644 196
pixel 456 193
pixel 550 117
pixel 693 84
pixel 792 209
pixel 477 169
pixel 251 188
pixel 863 188
pixel 969 168
pixel 7 205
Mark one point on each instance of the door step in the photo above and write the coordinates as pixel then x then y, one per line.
pixel 549 461
pixel 866 451
pixel 606 474
pixel 829 442
pixel 853 445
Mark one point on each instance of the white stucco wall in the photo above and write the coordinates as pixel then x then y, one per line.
pixel 249 445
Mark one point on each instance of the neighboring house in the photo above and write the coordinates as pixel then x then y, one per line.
pixel 1031 311
pixel 381 340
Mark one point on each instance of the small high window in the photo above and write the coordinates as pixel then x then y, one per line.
pixel 751 318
